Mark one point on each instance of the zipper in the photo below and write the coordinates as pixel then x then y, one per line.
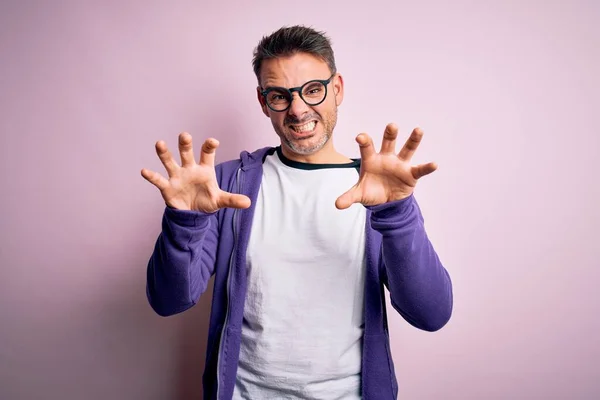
pixel 231 262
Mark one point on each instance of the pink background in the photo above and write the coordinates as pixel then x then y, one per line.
pixel 506 92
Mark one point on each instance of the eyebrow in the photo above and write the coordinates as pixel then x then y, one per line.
pixel 283 87
pixel 273 87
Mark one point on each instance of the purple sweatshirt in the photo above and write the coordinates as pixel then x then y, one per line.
pixel 194 245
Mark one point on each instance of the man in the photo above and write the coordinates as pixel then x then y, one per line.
pixel 302 241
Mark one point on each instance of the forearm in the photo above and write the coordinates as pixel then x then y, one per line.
pixel 182 262
pixel 420 287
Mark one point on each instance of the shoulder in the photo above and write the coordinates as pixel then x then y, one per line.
pixel 226 169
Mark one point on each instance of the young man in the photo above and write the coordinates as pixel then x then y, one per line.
pixel 302 241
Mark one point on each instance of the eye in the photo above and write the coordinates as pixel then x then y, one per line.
pixel 314 89
pixel 277 96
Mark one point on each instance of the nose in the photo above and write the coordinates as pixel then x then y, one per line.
pixel 298 107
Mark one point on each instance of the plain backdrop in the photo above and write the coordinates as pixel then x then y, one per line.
pixel 507 93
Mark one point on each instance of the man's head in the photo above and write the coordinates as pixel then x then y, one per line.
pixel 291 58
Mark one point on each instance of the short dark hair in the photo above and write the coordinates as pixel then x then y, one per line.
pixel 288 41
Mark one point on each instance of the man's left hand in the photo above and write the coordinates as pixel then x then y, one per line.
pixel 385 176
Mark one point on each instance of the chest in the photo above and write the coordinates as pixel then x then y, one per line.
pixel 296 217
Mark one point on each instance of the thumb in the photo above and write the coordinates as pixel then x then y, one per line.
pixel 420 171
pixel 347 199
pixel 230 200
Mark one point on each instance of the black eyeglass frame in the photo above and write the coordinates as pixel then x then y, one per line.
pixel 290 91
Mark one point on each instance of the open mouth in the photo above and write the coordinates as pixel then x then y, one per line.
pixel 304 129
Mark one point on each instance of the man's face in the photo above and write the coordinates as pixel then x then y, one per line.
pixel 303 129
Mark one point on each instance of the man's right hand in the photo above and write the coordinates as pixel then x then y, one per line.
pixel 192 186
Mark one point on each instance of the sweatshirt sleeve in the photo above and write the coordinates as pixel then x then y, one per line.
pixel 183 260
pixel 420 287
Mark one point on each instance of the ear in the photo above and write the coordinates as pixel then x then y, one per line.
pixel 262 102
pixel 338 89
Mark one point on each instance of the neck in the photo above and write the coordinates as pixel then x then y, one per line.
pixel 326 155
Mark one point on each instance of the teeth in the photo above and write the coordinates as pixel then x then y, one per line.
pixel 306 127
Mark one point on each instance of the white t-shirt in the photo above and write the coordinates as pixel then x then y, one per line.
pixel 303 316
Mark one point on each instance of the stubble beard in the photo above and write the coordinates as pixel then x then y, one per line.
pixel 297 146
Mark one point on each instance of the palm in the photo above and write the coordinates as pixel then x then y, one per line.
pixel 191 185
pixel 385 176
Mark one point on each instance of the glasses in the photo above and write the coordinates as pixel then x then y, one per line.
pixel 312 93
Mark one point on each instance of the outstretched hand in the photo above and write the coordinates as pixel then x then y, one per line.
pixel 385 176
pixel 191 185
